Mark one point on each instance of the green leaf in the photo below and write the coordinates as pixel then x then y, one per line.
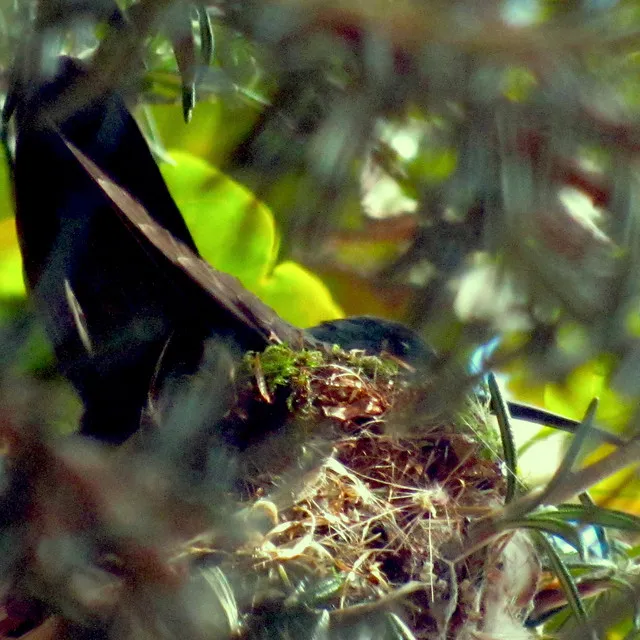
pixel 610 518
pixel 6 188
pixel 184 49
pixel 324 590
pixel 11 279
pixel 573 453
pixel 432 165
pixel 566 580
pixel 506 433
pixel 298 295
pixel 549 525
pixel 215 130
pixel 236 233
pixel 206 35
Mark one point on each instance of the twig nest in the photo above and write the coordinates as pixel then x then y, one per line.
pixel 364 539
pixel 342 530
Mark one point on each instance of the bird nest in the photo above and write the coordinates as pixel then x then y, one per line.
pixel 342 530
pixel 367 538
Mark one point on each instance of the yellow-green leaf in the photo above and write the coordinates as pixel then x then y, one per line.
pixel 11 279
pixel 236 233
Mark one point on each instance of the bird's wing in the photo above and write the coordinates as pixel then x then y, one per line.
pixel 220 291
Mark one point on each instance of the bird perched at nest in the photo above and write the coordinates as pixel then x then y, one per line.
pixel 118 312
pixel 109 306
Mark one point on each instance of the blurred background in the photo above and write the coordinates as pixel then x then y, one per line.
pixel 467 167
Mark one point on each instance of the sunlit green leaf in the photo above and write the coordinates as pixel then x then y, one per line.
pixel 6 203
pixel 11 279
pixel 570 398
pixel 432 165
pixel 518 83
pixel 298 295
pixel 215 129
pixel 236 233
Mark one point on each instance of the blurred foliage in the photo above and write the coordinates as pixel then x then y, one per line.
pixel 469 167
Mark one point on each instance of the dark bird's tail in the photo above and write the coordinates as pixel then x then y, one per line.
pixel 107 307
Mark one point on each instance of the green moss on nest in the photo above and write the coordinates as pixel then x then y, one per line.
pixel 371 366
pixel 281 366
pixel 315 378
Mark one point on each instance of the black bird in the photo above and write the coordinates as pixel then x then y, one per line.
pixel 112 300
pixel 107 308
pixel 376 335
